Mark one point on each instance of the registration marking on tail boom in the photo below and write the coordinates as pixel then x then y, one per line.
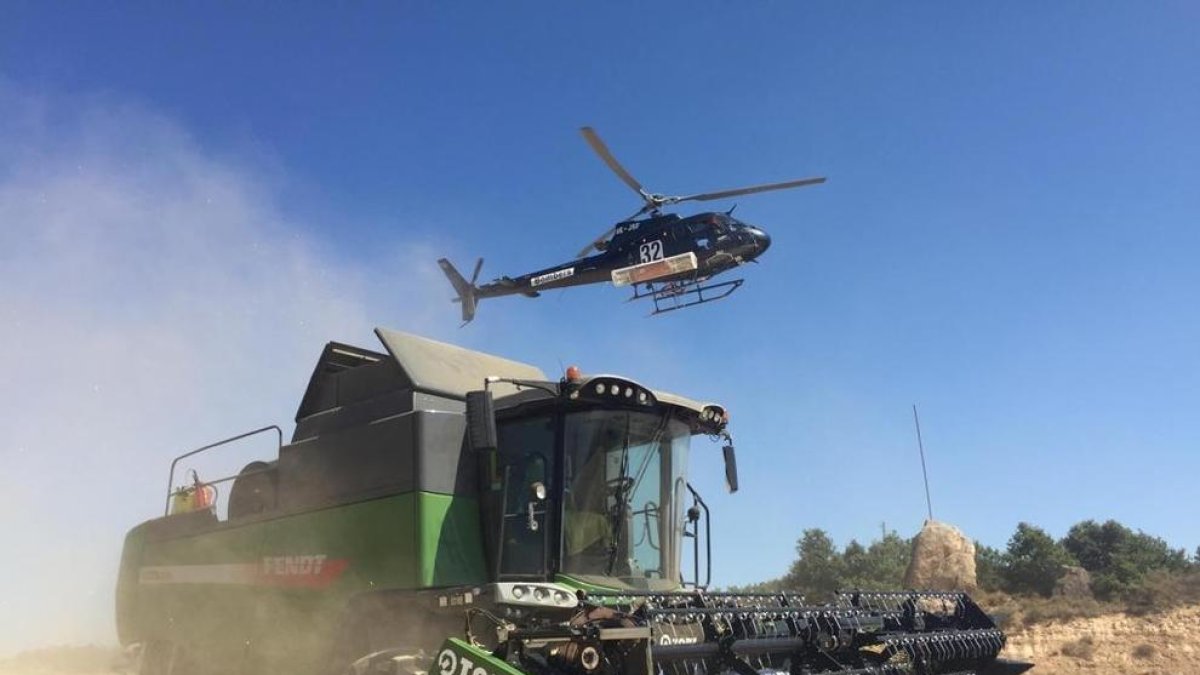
pixel 552 276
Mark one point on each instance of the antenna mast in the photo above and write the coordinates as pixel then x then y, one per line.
pixel 924 472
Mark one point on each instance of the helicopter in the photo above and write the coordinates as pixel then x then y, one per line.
pixel 664 257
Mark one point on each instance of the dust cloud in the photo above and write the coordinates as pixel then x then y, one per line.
pixel 155 295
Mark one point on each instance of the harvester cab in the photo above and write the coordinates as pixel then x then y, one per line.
pixel 584 482
pixel 439 510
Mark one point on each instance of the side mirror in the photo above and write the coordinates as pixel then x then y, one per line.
pixel 731 478
pixel 481 420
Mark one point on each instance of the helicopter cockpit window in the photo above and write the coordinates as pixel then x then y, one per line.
pixel 700 233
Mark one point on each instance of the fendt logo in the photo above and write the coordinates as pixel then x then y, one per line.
pixel 311 571
pixel 449 663
pixel 668 640
pixel 300 571
pixel 293 565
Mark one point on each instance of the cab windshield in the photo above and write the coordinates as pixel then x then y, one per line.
pixel 624 485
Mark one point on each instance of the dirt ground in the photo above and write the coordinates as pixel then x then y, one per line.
pixel 89 660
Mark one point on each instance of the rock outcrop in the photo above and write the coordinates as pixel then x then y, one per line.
pixel 943 559
pixel 1075 582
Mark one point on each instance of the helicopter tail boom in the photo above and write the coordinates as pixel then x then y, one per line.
pixel 466 289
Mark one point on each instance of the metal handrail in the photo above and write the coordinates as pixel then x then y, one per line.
pixel 171 476
pixel 696 542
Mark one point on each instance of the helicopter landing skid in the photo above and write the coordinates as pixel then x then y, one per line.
pixel 672 295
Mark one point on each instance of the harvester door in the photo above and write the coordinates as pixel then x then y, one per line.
pixel 516 514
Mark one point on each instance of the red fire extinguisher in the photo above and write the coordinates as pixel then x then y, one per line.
pixel 204 496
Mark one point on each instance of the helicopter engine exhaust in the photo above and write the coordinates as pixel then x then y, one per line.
pixel 466 290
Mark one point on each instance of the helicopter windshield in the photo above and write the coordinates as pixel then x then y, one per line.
pixel 622 512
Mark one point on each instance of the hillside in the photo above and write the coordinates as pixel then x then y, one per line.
pixel 1166 643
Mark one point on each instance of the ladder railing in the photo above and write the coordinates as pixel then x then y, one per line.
pixel 210 446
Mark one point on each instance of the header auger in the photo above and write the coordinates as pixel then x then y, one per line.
pixel 440 511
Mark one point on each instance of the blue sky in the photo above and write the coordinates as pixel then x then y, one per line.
pixel 1008 239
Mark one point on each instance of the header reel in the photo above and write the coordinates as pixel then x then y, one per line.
pixel 861 633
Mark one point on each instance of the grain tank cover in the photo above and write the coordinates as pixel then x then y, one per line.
pixel 440 368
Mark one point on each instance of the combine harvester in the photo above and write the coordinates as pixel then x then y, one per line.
pixel 443 511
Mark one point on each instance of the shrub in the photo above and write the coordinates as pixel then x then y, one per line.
pixel 1144 652
pixel 1161 590
pixel 1040 610
pixel 1084 648
pixel 1014 612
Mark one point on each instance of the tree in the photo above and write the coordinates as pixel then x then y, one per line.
pixel 818 568
pixel 1119 558
pixel 990 564
pixel 1095 546
pixel 1035 561
pixel 854 565
pixel 880 566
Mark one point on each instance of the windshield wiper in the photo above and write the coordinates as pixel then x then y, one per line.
pixel 620 500
pixel 625 487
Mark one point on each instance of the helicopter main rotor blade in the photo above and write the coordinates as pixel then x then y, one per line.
pixel 608 233
pixel 596 244
pixel 598 146
pixel 706 196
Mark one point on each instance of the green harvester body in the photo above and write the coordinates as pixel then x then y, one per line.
pixel 391 535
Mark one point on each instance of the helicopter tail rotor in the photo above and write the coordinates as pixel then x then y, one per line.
pixel 466 290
